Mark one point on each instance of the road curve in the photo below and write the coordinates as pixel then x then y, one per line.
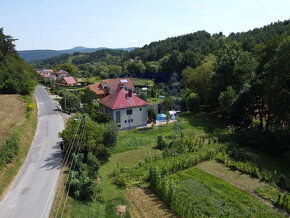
pixel 32 192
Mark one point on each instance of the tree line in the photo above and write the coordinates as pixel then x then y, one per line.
pixel 16 76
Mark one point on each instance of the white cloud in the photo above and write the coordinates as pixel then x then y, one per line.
pixel 133 40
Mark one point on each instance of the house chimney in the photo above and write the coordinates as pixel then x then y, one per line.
pixel 130 93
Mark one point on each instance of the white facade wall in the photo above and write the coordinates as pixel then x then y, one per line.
pixel 136 119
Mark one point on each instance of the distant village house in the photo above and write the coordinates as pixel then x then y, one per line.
pixel 61 74
pixel 68 81
pixel 109 86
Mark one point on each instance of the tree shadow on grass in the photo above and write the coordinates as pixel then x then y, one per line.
pixel 210 125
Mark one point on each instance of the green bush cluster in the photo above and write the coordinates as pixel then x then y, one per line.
pixel 181 144
pixel 83 178
pixel 284 202
pixel 9 149
pixel 250 168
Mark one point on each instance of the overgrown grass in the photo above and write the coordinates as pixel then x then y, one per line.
pixel 12 114
pixel 141 82
pixel 129 176
pixel 211 196
pixel 193 124
pixel 26 133
pixel 268 192
pixel 111 194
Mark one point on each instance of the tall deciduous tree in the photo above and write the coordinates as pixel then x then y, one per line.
pixel 226 99
pixel 198 79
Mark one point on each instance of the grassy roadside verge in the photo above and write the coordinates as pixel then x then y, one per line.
pixel 111 195
pixel 26 132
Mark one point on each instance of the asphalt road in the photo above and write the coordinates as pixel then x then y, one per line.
pixel 33 190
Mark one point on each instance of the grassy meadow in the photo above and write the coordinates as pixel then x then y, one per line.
pixel 219 194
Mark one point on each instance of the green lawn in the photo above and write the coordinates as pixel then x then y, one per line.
pixel 141 82
pixel 215 197
pixel 197 124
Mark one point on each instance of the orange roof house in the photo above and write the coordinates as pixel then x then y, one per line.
pixel 109 86
pixel 68 81
pixel 100 89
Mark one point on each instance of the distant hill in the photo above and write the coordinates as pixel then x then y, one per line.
pixel 33 55
pixel 204 43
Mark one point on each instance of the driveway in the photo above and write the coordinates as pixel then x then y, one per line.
pixel 33 190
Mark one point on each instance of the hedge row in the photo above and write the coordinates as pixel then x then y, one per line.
pixel 177 198
pixel 9 149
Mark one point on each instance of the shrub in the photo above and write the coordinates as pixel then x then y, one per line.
pixel 83 184
pixel 9 149
pixel 111 134
pixel 193 102
pixel 284 201
pixel 226 99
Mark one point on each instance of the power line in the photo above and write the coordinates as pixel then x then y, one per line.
pixel 66 157
pixel 72 175
pixel 70 167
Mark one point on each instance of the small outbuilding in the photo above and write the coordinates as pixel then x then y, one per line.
pixel 68 81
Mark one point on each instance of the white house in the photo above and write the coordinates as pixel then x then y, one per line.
pixel 126 109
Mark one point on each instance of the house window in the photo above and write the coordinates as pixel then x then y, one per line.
pixel 140 108
pixel 128 121
pixel 125 121
pixel 131 120
pixel 118 117
pixel 129 112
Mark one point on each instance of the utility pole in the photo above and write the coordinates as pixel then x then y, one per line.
pixel 85 126
pixel 65 101
pixel 54 86
pixel 86 148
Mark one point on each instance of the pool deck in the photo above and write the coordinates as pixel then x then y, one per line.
pixel 157 123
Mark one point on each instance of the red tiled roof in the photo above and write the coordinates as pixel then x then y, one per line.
pixel 61 72
pixel 98 89
pixel 120 99
pixel 115 83
pixel 69 80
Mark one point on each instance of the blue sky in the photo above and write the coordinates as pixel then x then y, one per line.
pixel 63 24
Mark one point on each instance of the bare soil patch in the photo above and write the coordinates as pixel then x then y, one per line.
pixel 145 203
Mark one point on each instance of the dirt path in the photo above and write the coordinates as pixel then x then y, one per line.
pixel 242 181
pixel 144 203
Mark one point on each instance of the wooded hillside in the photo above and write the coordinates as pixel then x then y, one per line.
pixel 16 76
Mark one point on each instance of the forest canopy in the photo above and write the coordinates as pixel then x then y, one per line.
pixel 16 76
